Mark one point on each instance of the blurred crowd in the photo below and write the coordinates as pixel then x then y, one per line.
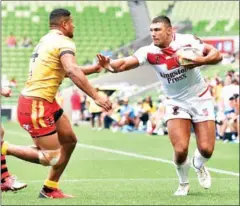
pixel 147 116
pixel 12 41
pixel 226 94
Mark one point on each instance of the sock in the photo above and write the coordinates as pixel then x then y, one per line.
pixel 198 159
pixel 4 148
pixel 4 169
pixel 50 185
pixel 182 171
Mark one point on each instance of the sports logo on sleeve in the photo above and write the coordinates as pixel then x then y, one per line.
pixel 175 110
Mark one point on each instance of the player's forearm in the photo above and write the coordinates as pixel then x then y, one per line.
pixel 213 56
pixel 124 64
pixel 78 77
pixel 117 65
pixel 90 69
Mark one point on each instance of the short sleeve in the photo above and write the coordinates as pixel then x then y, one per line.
pixel 141 55
pixel 66 46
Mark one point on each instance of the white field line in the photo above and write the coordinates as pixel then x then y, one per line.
pixel 139 156
pixel 122 180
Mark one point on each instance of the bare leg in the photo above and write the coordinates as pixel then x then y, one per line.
pixel 205 135
pixel 92 121
pixel 99 121
pixel 179 134
pixel 26 153
pixel 65 140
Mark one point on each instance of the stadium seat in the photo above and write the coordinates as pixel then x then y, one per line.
pixel 98 26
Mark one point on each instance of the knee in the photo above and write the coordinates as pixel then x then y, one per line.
pixel 181 153
pixel 206 150
pixel 73 141
pixel 181 150
pixel 49 157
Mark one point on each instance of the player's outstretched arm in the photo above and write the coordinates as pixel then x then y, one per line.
pixel 90 69
pixel 74 72
pixel 118 65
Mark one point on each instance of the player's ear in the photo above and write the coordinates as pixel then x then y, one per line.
pixel 64 24
pixel 169 30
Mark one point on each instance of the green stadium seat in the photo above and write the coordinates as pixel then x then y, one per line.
pixel 98 25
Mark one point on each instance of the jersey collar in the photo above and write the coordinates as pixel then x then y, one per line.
pixel 56 31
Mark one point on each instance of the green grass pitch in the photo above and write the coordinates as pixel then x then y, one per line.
pixel 109 168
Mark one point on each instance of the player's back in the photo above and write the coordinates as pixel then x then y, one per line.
pixel 45 70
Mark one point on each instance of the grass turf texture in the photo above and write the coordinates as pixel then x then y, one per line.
pixel 95 176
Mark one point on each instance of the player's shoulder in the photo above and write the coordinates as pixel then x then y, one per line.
pixel 65 40
pixel 59 38
pixel 149 48
pixel 183 37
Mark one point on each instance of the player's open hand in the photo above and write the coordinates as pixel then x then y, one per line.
pixel 6 92
pixel 104 61
pixel 103 102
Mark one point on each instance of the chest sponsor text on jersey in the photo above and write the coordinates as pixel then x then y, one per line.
pixel 174 76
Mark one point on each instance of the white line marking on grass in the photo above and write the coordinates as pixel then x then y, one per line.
pixel 122 180
pixel 139 156
pixel 149 158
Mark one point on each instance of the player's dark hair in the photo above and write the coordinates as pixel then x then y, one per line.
pixel 162 19
pixel 56 15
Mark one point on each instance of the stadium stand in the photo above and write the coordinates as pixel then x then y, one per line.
pixel 208 18
pixel 157 8
pixel 98 27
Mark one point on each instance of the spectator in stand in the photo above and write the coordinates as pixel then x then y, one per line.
pixel 13 82
pixel 76 103
pixel 217 90
pixel 26 42
pixel 229 129
pixel 237 115
pixel 234 121
pixel 111 117
pixel 230 88
pixel 128 117
pixel 11 41
pixel 138 110
pixel 95 110
pixel 83 107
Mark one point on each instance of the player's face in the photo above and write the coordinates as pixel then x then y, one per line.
pixel 161 34
pixel 69 27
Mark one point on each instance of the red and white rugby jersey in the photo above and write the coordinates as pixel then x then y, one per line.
pixel 177 81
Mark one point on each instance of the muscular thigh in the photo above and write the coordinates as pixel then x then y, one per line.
pixel 49 142
pixel 64 130
pixel 179 132
pixel 63 135
pixel 205 133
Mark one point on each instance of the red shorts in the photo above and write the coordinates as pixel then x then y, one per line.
pixel 38 117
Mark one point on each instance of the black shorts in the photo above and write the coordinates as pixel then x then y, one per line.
pixel 96 114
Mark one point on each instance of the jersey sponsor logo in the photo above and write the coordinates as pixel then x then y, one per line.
pixel 175 76
pixel 27 127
